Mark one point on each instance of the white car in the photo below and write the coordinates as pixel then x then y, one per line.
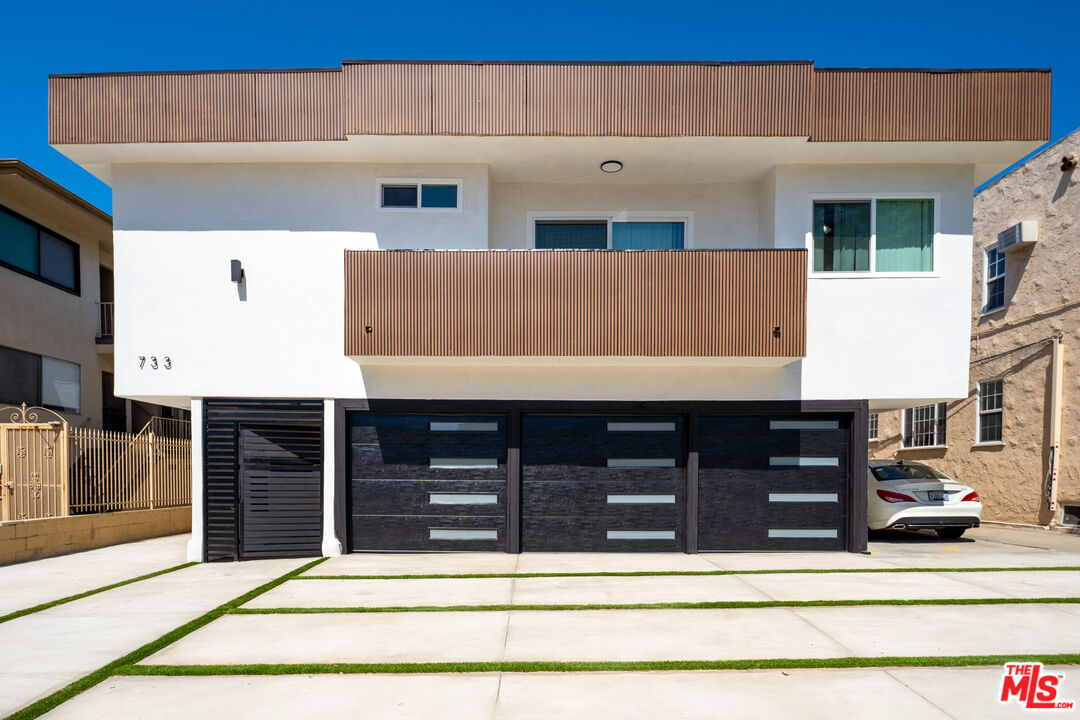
pixel 913 496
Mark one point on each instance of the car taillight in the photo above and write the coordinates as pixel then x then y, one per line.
pixel 894 497
pixel 971 497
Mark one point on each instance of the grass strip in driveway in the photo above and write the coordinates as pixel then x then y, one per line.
pixel 715 605
pixel 88 593
pixel 45 704
pixel 613 666
pixel 666 573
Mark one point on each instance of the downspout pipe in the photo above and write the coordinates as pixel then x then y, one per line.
pixel 1057 373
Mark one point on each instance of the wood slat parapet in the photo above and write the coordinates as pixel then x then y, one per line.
pixel 575 303
pixel 592 99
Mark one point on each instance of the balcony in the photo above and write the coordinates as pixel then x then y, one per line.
pixel 575 303
pixel 106 327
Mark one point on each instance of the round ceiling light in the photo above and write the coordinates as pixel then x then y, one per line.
pixel 611 166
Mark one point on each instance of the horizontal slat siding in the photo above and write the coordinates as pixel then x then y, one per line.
pixel 221 461
pixel 908 105
pixel 554 99
pixel 697 303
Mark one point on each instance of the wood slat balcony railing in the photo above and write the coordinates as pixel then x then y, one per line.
pixel 575 303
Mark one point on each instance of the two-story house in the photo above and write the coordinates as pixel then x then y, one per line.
pixel 1013 436
pixel 541 305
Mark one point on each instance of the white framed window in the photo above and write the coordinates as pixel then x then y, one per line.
pixel 881 233
pixel 993 280
pixel 924 426
pixel 989 415
pixel 873 427
pixel 610 230
pixel 419 194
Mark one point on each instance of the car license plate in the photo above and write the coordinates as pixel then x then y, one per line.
pixel 936 496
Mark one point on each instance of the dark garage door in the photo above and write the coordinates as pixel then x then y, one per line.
pixel 281 491
pixel 427 482
pixel 603 483
pixel 773 483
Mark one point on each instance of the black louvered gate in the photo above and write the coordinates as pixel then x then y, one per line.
pixel 263 478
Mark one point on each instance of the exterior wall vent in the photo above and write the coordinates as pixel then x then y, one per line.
pixel 1021 235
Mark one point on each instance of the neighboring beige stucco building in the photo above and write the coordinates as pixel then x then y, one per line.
pixel 1016 343
pixel 45 314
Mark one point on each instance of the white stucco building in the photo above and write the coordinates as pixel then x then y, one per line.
pixel 666 295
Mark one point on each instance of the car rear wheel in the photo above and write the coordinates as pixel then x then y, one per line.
pixel 950 533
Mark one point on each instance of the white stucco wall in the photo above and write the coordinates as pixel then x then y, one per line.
pixel 897 337
pixel 281 334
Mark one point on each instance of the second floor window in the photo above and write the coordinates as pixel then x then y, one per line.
pixel 32 250
pixel 875 235
pixel 604 234
pixel 873 426
pixel 924 426
pixel 994 284
pixel 989 415
pixel 433 195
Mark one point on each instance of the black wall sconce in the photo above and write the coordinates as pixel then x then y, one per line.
pixel 237 271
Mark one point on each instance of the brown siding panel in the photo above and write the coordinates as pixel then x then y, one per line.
pixel 301 105
pixel 210 107
pixel 552 99
pixel 912 105
pixel 570 303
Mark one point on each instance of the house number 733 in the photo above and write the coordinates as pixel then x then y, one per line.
pixel 166 362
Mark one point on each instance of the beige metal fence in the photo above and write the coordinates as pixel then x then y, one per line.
pixel 50 469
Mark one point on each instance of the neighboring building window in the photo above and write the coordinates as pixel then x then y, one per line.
pixel 990 411
pixel 38 380
pixel 873 426
pixel 419 194
pixel 924 426
pixel 602 234
pixel 994 285
pixel 33 250
pixel 886 235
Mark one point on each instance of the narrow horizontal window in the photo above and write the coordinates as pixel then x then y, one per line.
pixel 439 196
pixel 647 235
pixel 640 499
pixel 804 497
pixel 641 462
pixel 456 534
pixel 804 462
pixel 463 463
pixel 463 499
pixel 399 196
pixel 640 534
pixel 464 426
pixel 807 533
pixel 804 424
pixel 571 235
pixel 34 251
pixel 641 427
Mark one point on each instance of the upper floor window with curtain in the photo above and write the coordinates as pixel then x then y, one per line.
pixel 875 235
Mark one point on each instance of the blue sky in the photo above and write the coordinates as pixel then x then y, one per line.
pixel 66 37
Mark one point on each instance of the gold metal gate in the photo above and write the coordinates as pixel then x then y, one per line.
pixel 33 464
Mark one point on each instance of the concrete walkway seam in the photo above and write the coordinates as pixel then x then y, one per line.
pixel 882 662
pixel 44 705
pixel 646 573
pixel 88 593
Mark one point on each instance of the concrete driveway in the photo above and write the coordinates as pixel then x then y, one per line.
pixel 533 610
